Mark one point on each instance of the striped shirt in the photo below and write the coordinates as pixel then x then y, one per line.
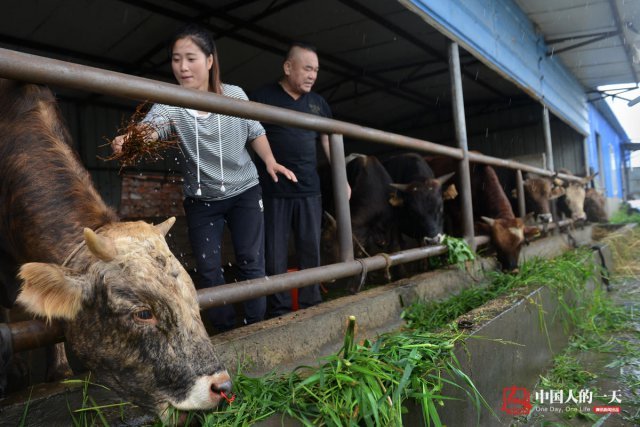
pixel 216 136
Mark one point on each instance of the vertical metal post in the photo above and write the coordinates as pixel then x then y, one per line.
pixel 341 200
pixel 461 137
pixel 546 124
pixel 585 147
pixel 522 211
pixel 547 138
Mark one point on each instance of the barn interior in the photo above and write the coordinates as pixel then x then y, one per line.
pixel 382 66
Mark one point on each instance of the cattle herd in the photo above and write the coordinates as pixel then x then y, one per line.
pixel 129 308
pixel 406 200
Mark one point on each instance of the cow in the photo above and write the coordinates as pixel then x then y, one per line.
pixel 492 211
pixel 571 204
pixel 539 193
pixel 419 196
pixel 374 223
pixel 595 206
pixel 129 308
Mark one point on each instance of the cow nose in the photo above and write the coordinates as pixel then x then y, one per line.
pixel 224 387
pixel 221 383
pixel 546 217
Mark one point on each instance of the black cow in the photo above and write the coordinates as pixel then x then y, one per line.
pixel 373 218
pixel 419 196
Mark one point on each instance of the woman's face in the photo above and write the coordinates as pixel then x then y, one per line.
pixel 190 65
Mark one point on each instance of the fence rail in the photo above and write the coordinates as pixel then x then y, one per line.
pixel 41 70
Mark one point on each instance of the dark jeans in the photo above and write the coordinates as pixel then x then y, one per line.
pixel 243 215
pixel 303 216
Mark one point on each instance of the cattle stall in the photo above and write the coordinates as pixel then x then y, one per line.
pixel 47 71
pixel 510 123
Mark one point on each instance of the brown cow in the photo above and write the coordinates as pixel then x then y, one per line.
pixel 571 204
pixel 129 308
pixel 539 193
pixel 492 212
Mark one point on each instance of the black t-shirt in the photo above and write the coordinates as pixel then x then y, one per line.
pixel 292 147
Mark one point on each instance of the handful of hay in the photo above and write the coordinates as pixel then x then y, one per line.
pixel 138 141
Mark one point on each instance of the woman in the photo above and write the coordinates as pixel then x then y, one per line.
pixel 220 180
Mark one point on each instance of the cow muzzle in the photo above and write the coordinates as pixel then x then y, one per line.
pixel 207 392
pixel 545 218
pixel 430 241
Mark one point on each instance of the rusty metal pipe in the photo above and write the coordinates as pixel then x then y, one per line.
pixel 232 293
pixel 522 210
pixel 461 137
pixel 37 69
pixel 341 200
pixel 30 334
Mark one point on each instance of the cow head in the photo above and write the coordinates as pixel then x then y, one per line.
pixel 539 192
pixel 595 206
pixel 422 207
pixel 572 203
pixel 508 236
pixel 132 317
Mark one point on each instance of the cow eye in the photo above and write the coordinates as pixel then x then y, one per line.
pixel 144 315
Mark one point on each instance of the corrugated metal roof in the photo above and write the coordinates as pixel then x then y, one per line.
pixel 597 40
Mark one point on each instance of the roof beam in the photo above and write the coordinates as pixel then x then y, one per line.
pixel 627 48
pixel 340 67
pixel 593 38
pixel 368 13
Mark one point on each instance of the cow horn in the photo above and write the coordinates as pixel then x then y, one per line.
pixel 165 226
pixel 102 247
pixel 401 187
pixel 330 219
pixel 587 179
pixel 444 178
pixel 489 221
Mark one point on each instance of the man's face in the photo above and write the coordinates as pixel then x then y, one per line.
pixel 301 70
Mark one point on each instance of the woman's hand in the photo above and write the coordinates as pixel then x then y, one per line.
pixel 275 168
pixel 116 144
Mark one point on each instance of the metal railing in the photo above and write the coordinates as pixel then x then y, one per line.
pixel 36 69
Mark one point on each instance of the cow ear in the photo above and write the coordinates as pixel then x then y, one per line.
pixel 165 226
pixel 450 193
pixel 50 291
pixel 556 192
pixel 587 179
pixel 396 200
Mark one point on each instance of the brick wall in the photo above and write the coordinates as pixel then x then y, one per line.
pixel 147 195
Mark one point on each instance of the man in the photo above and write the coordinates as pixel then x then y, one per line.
pixel 295 206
